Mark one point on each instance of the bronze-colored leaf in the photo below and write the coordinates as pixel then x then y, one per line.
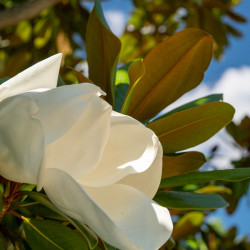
pixel 191 127
pixel 102 48
pixel 182 164
pixel 172 68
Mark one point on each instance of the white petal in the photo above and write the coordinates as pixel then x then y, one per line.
pixel 41 75
pixel 131 148
pixel 119 214
pixel 21 140
pixel 147 182
pixel 76 124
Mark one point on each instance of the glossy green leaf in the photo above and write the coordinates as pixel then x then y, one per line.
pixel 45 234
pixel 37 209
pixel 121 87
pixel 191 127
pixel 102 48
pixel 188 200
pixel 172 68
pixel 233 175
pixel 87 233
pixel 182 163
pixel 120 94
pixel 193 104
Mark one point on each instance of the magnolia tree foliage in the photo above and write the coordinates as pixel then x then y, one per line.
pixel 83 170
pixel 32 30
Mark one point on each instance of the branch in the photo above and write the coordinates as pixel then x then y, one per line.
pixel 25 11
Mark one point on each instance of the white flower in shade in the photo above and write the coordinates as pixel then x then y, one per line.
pixel 98 166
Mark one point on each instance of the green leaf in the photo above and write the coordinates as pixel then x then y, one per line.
pixel 45 234
pixel 172 68
pixel 36 209
pixel 120 94
pixel 102 48
pixel 191 127
pixel 233 175
pixel 182 163
pixel 26 187
pixel 2 80
pixel 87 233
pixel 188 200
pixel 121 87
pixel 193 104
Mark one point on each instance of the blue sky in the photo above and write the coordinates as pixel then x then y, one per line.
pixel 230 75
pixel 238 54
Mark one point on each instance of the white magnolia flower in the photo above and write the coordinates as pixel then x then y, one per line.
pixel 97 166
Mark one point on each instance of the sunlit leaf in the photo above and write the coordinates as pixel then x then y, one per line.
pixel 45 234
pixel 172 68
pixel 191 127
pixel 233 175
pixel 136 71
pixel 214 189
pixel 182 163
pixel 102 48
pixel 189 200
pixel 129 50
pixel 189 224
pixel 24 30
pixel 193 104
